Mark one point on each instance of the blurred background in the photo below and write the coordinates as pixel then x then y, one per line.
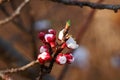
pixel 96 31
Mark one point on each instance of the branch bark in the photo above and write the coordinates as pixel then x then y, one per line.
pixel 89 4
pixel 13 70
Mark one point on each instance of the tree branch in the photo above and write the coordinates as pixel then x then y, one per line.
pixel 13 70
pixel 17 12
pixel 89 4
pixel 17 22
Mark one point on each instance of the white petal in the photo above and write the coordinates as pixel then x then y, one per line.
pixel 61 34
pixel 71 43
pixel 42 55
pixel 42 49
pixel 62 60
pixel 48 35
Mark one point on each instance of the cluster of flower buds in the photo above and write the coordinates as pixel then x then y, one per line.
pixel 50 44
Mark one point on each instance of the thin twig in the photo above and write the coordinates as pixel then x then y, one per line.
pixel 18 21
pixel 16 13
pixel 13 70
pixel 89 4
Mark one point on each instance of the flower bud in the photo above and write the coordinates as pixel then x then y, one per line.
pixel 44 57
pixel 61 59
pixel 43 49
pixel 52 31
pixel 41 35
pixel 69 57
pixel 50 38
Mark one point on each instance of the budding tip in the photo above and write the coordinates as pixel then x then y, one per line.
pixel 68 23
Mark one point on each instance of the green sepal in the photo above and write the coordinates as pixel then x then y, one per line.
pixel 68 23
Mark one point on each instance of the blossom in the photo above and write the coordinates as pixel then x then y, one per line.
pixel 41 35
pixel 50 38
pixel 43 57
pixel 71 43
pixel 52 31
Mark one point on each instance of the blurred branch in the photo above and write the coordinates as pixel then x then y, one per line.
pixel 16 13
pixel 33 35
pixel 11 53
pixel 85 26
pixel 16 22
pixel 32 31
pixel 63 72
pixel 79 36
pixel 13 70
pixel 89 4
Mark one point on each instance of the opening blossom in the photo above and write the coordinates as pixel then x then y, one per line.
pixel 71 43
pixel 52 50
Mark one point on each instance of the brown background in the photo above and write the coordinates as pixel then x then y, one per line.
pixel 102 38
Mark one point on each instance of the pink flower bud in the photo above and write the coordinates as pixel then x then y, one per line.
pixel 71 43
pixel 50 38
pixel 52 31
pixel 44 57
pixel 61 59
pixel 41 35
pixel 43 49
pixel 69 57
